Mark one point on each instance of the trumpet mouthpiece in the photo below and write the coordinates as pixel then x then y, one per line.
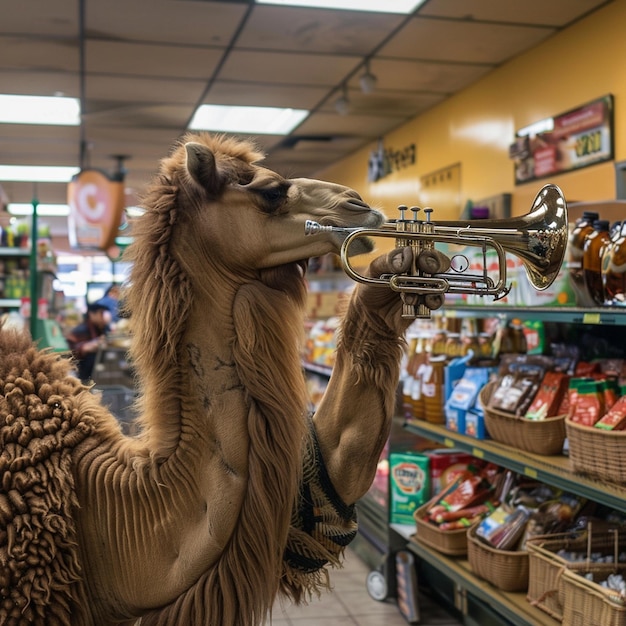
pixel 313 228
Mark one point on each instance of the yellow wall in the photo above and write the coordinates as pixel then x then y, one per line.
pixel 476 126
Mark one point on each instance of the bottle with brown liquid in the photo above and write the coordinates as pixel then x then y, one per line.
pixel 596 244
pixel 614 269
pixel 575 247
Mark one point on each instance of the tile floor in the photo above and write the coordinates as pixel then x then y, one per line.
pixel 349 604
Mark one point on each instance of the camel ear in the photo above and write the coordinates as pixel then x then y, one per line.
pixel 202 167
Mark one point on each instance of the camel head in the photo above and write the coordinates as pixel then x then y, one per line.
pixel 250 217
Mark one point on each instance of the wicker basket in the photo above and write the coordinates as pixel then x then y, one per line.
pixel 546 567
pixel 504 569
pixel 597 452
pixel 451 542
pixel 544 437
pixel 586 603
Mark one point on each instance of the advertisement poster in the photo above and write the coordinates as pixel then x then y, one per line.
pixel 578 138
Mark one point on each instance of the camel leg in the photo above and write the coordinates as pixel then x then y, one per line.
pixel 354 417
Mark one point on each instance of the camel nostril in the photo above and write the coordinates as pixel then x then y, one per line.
pixel 356 203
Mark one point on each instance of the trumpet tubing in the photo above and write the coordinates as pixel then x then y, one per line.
pixel 538 238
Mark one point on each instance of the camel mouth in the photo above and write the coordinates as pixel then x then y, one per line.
pixel 302 266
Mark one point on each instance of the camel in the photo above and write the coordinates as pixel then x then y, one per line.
pixel 231 495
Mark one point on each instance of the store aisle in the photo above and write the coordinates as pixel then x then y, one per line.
pixel 349 604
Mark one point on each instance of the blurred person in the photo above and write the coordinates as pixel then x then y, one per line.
pixel 85 339
pixel 111 299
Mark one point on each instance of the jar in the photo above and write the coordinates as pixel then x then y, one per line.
pixel 595 245
pixel 575 247
pixel 432 389
pixel 454 348
pixel 614 269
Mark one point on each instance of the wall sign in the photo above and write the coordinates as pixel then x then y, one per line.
pixel 384 161
pixel 578 138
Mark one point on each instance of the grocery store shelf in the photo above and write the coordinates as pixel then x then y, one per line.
pixel 21 252
pixel 10 303
pixel 609 316
pixel 323 370
pixel 512 606
pixel 553 470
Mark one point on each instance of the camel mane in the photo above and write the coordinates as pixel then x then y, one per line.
pixel 161 294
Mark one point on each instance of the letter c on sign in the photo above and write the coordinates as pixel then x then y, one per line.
pixel 89 205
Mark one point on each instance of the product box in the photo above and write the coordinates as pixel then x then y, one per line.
pixel 463 397
pixel 475 423
pixel 409 485
pixel 453 373
pixel 445 466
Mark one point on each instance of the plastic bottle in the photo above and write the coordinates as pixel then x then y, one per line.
pixel 614 269
pixel 595 245
pixel 575 247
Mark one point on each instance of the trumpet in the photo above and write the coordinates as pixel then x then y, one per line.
pixel 538 239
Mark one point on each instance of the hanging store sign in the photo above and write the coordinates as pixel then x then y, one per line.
pixel 384 161
pixel 96 203
pixel 578 138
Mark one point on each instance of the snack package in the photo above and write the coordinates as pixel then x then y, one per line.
pixel 469 492
pixel 519 380
pixel 615 419
pixel 588 407
pixel 504 527
pixel 548 398
pixel 446 465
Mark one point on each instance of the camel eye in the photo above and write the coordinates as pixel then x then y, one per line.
pixel 272 198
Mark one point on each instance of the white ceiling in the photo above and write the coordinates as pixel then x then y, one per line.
pixel 141 67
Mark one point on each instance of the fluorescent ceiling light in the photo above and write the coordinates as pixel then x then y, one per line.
pixel 49 110
pixel 37 173
pixel 376 6
pixel 243 119
pixel 47 210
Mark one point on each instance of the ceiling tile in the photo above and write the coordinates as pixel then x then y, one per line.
pixel 40 83
pixel 24 53
pixel 288 69
pixel 143 90
pixel 552 13
pixel 142 59
pixel 446 78
pixel 262 94
pixel 316 30
pixel 53 18
pixel 182 22
pixel 468 42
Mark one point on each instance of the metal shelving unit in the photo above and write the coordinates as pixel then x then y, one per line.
pixel 606 316
pixel 553 470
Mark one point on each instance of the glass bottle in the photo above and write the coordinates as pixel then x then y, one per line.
pixel 595 245
pixel 614 269
pixel 575 247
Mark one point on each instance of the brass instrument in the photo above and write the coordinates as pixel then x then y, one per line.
pixel 538 238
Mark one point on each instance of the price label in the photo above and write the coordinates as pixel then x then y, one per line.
pixel 478 453
pixel 530 472
pixel 448 443
pixel 591 318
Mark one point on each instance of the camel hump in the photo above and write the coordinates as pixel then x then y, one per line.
pixel 39 428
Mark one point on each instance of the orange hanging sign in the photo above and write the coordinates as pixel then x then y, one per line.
pixel 96 204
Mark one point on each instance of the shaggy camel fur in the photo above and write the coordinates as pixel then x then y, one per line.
pixel 231 494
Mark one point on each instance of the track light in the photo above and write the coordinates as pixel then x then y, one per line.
pixel 342 104
pixel 368 80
